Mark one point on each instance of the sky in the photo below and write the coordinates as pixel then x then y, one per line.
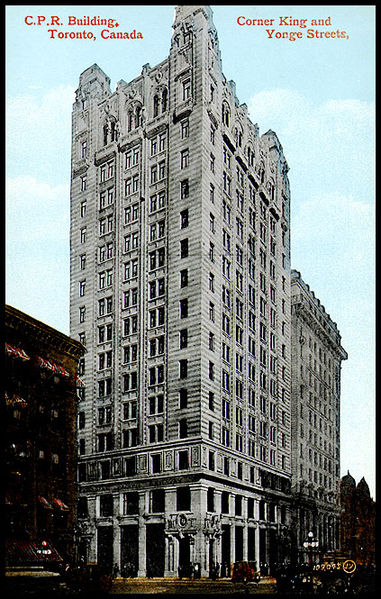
pixel 316 93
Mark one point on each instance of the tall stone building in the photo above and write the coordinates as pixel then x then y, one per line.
pixel 180 290
pixel 315 419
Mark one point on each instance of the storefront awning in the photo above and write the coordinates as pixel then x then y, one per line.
pixel 60 504
pixel 48 365
pixel 15 400
pixel 16 352
pixel 28 552
pixel 44 502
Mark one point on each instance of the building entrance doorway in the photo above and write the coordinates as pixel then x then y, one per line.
pixel 129 550
pixel 184 557
pixel 225 551
pixel 105 547
pixel 155 550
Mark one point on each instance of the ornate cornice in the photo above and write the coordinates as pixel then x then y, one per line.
pixel 40 333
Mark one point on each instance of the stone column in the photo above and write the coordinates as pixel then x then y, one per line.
pixel 232 541
pixel 245 526
pixel 116 542
pixel 92 543
pixel 171 553
pixel 142 561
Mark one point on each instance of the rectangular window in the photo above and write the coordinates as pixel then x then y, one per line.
pixel 184 248
pixel 184 158
pixel 184 189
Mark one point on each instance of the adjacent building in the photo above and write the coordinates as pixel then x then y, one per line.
pixel 316 358
pixel 39 456
pixel 357 521
pixel 180 291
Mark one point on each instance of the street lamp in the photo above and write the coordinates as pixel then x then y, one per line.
pixel 310 545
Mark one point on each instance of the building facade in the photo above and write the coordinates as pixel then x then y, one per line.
pixel 357 521
pixel 39 455
pixel 180 291
pixel 316 358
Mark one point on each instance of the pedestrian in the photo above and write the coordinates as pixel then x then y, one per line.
pixel 115 571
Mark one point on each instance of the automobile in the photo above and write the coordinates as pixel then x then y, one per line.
pixel 88 578
pixel 245 572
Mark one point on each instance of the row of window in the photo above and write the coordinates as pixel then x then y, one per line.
pixel 130 504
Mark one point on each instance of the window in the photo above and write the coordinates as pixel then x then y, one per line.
pixel 186 89
pixel 211 371
pixel 184 125
pixel 183 338
pixel 184 189
pixel 184 219
pixel 82 288
pixel 184 248
pixel 183 499
pixel 155 433
pixel 157 501
pixel 184 308
pixel 225 500
pixel 184 158
pixel 84 149
pixel 183 429
pixel 183 398
pixel 211 341
pixel 183 458
pixel 238 505
pixel 184 278
pixel 210 500
pixel 106 505
pixel 131 503
pixel 83 234
pixel 131 214
pixel 211 311
pixel 130 381
pixel 183 369
pixel 82 314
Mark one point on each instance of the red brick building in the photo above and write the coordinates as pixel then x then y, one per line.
pixel 39 450
pixel 357 521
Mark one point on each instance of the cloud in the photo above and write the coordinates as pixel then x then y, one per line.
pixel 326 144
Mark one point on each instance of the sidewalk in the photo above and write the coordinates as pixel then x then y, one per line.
pixel 202 586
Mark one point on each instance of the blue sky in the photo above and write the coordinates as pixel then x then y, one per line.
pixel 317 94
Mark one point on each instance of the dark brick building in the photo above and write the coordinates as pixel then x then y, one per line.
pixel 39 443
pixel 357 521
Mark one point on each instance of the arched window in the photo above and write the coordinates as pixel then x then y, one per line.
pixel 130 119
pixel 138 116
pixel 105 134
pixel 114 132
pixel 225 114
pixel 155 105
pixel 164 100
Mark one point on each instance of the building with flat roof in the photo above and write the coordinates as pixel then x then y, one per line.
pixel 39 450
pixel 316 358
pixel 180 291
